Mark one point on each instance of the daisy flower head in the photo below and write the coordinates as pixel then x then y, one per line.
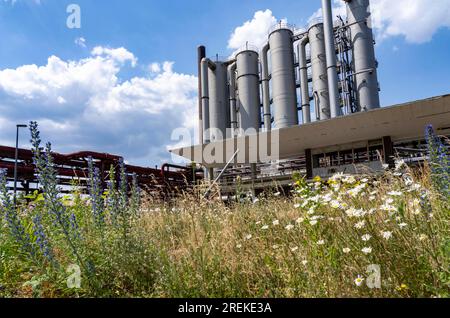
pixel 359 280
pixel 289 227
pixel 360 224
pixel 367 250
pixel 386 234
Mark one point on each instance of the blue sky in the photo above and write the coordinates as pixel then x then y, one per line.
pixel 140 61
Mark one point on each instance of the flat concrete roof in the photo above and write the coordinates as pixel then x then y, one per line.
pixel 401 122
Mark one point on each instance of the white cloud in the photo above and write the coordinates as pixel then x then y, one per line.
pixel 84 105
pixel 121 54
pixel 416 20
pixel 254 31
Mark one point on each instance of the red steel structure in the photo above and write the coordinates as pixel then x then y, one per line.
pixel 74 167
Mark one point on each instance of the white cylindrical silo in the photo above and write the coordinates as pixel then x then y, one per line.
pixel 319 71
pixel 284 93
pixel 248 87
pixel 219 109
pixel 364 62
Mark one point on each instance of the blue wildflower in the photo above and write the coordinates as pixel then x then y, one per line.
pixel 439 160
pixel 95 192
pixel 15 225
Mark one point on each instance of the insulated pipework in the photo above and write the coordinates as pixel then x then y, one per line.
pixel 265 87
pixel 205 65
pixel 303 75
pixel 201 55
pixel 233 110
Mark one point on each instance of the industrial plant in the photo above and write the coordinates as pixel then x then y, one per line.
pixel 306 102
pixel 310 96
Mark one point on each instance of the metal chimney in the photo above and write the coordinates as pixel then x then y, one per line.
pixel 330 48
pixel 364 63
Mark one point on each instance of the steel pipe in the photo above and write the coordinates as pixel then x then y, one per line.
pixel 303 75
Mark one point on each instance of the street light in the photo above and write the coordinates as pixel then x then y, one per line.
pixel 16 158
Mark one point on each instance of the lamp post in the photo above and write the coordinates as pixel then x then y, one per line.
pixel 16 158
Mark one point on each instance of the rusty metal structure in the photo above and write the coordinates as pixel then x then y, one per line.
pixel 73 169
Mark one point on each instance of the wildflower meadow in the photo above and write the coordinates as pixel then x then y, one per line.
pixel 348 236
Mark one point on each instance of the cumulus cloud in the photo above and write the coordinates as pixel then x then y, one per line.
pixel 84 105
pixel 415 20
pixel 253 31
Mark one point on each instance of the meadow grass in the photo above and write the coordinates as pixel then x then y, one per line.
pixel 349 236
pixel 317 243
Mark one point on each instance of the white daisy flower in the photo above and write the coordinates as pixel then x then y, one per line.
pixel 320 242
pixel 367 250
pixel 289 227
pixel 346 250
pixel 360 224
pixel 276 222
pixel 248 237
pixel 294 249
pixel 299 220
pixel 386 235
pixel 359 281
pixel 366 237
pixel 335 204
pixel 265 227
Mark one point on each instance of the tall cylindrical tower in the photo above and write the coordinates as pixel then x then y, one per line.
pixel 319 71
pixel 219 114
pixel 248 87
pixel 284 93
pixel 364 63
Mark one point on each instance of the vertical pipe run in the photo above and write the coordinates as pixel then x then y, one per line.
pixel 303 75
pixel 205 63
pixel 333 89
pixel 233 111
pixel 265 87
pixel 201 55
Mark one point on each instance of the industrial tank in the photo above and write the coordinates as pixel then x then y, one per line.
pixel 319 71
pixel 364 63
pixel 219 109
pixel 284 93
pixel 248 88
